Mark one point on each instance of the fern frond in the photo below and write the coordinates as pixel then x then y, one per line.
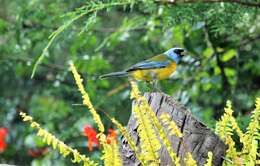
pixel 189 161
pixel 50 139
pixel 76 15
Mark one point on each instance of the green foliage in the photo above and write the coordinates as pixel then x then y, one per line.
pixel 222 40
pixel 148 125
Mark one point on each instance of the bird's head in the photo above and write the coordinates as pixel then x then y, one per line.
pixel 175 54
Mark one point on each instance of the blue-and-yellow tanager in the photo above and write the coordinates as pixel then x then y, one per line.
pixel 156 68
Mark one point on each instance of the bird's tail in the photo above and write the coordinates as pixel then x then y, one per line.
pixel 114 74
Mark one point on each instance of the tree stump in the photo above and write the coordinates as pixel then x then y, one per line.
pixel 197 138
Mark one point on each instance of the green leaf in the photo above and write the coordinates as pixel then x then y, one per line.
pixel 228 55
pixel 3 25
pixel 208 52
pixel 229 72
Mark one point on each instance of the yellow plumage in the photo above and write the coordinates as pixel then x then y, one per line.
pixel 151 74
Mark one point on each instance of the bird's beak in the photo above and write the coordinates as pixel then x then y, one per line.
pixel 180 52
pixel 183 53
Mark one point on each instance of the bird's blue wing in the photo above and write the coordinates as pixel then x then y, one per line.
pixel 148 65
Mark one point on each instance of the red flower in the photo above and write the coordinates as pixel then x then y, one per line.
pixel 111 136
pixel 91 134
pixel 3 134
pixel 37 152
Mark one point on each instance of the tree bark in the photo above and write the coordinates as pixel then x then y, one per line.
pixel 197 138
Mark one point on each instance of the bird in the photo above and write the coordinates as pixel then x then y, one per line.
pixel 156 68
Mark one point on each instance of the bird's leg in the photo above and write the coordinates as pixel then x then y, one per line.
pixel 148 85
pixel 155 83
pixel 155 86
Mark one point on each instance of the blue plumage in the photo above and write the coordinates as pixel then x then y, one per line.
pixel 174 54
pixel 156 68
pixel 148 65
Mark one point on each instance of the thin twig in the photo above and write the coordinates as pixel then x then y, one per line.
pixel 248 4
pixel 249 40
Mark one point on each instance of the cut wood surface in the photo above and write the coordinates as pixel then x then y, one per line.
pixel 197 138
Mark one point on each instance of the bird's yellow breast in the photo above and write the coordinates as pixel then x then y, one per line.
pixel 154 74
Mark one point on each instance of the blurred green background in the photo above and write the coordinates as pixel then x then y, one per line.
pixel 223 62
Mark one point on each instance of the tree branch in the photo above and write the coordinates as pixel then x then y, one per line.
pixel 249 40
pixel 248 4
pixel 220 64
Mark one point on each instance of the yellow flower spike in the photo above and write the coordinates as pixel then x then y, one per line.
pixel 45 136
pixel 172 127
pixel 40 132
pixel 252 136
pixel 148 138
pixel 147 119
pixel 112 155
pixel 189 161
pixel 224 126
pixel 116 158
pixel 27 118
pixel 134 92
pixel 85 164
pixel 227 125
pixel 85 97
pixel 130 141
pixel 209 160
pixel 231 152
pixel 228 108
pixel 50 139
pixel 236 128
pixel 34 125
pixel 257 104
pixel 102 138
pixel 54 143
pixel 253 153
pixel 22 114
pixel 76 157
pixel 63 149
